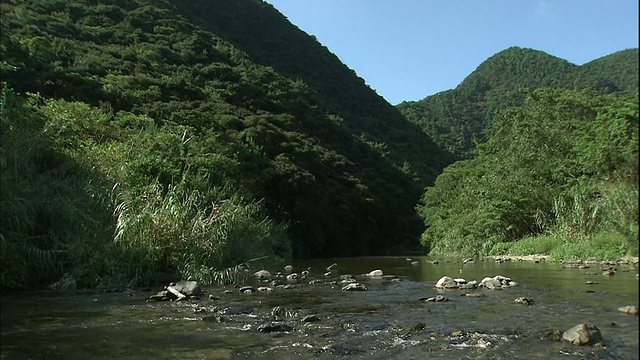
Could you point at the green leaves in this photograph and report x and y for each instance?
(551, 166)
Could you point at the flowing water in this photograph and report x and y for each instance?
(387, 321)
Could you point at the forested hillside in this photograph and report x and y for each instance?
(453, 118)
(151, 139)
(147, 136)
(557, 175)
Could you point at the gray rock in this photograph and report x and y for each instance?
(583, 334)
(354, 287)
(311, 318)
(375, 273)
(446, 282)
(246, 289)
(262, 275)
(437, 298)
(524, 301)
(189, 288)
(274, 327)
(470, 285)
(490, 283)
(160, 296)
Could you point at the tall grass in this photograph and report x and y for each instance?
(206, 238)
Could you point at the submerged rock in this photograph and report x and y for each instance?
(583, 334)
(524, 301)
(311, 318)
(437, 298)
(354, 287)
(609, 272)
(274, 327)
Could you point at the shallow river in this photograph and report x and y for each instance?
(387, 321)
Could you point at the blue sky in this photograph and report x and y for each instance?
(409, 49)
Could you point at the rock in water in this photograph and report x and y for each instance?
(262, 275)
(582, 334)
(274, 327)
(354, 287)
(188, 288)
(446, 282)
(375, 273)
(631, 309)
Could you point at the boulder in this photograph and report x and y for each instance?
(188, 288)
(490, 283)
(470, 285)
(262, 275)
(375, 273)
(288, 269)
(582, 334)
(446, 282)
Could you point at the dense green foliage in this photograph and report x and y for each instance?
(144, 137)
(563, 166)
(147, 139)
(454, 118)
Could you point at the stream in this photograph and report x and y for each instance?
(315, 319)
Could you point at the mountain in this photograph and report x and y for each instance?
(454, 117)
(196, 105)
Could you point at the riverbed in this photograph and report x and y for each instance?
(314, 319)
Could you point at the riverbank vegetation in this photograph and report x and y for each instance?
(556, 176)
(138, 139)
(148, 140)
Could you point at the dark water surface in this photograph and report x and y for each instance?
(385, 322)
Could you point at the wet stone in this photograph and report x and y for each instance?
(524, 301)
(582, 334)
(631, 310)
(246, 289)
(311, 318)
(274, 327)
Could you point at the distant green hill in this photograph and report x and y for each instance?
(454, 117)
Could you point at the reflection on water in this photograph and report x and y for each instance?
(387, 321)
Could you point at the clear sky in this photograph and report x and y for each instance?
(409, 49)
